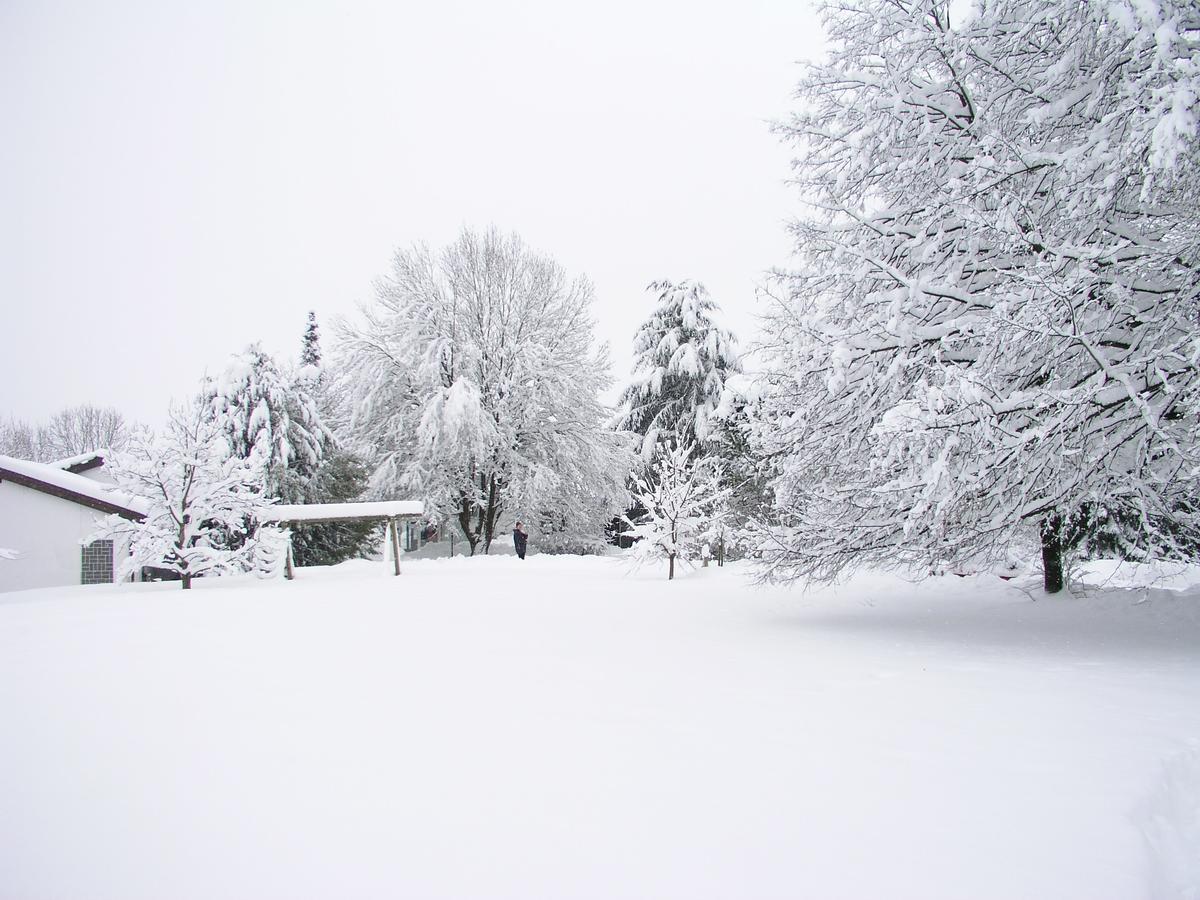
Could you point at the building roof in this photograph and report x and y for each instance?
(66, 485)
(334, 512)
(81, 463)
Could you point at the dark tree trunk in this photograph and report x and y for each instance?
(464, 522)
(187, 581)
(670, 567)
(1052, 554)
(491, 513)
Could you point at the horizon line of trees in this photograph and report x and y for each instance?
(986, 345)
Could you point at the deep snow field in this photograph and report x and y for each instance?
(565, 728)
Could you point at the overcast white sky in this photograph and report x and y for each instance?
(178, 180)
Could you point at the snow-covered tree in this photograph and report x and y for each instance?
(69, 432)
(684, 507)
(992, 330)
(203, 504)
(681, 362)
(270, 417)
(84, 428)
(310, 353)
(475, 386)
(21, 440)
(342, 477)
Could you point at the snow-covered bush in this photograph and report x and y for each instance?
(992, 325)
(204, 505)
(684, 507)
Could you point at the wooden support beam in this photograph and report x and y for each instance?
(288, 572)
(395, 544)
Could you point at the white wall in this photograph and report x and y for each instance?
(48, 533)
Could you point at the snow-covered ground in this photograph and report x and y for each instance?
(561, 728)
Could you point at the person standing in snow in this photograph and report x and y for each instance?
(520, 539)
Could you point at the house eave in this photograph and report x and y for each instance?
(73, 496)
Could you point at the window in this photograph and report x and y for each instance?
(97, 563)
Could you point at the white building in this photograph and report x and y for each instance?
(47, 512)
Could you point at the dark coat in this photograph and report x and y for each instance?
(520, 539)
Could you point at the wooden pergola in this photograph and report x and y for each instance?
(389, 511)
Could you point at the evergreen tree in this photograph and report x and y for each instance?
(342, 477)
(270, 418)
(310, 353)
(681, 362)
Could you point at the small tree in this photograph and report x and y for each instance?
(203, 504)
(310, 353)
(684, 502)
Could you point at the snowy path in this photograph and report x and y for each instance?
(561, 729)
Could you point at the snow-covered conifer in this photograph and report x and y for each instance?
(475, 386)
(684, 507)
(991, 330)
(270, 417)
(310, 353)
(681, 361)
(204, 505)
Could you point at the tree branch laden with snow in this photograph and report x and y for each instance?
(991, 331)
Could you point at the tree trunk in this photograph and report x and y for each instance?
(187, 581)
(491, 513)
(1052, 555)
(670, 566)
(464, 522)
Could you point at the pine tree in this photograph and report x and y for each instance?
(681, 362)
(990, 336)
(310, 353)
(270, 418)
(342, 477)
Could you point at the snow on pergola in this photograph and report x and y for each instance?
(389, 511)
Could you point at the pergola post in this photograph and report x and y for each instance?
(395, 544)
(288, 572)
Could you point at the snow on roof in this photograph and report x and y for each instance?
(84, 489)
(317, 512)
(82, 461)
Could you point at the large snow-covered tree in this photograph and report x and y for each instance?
(683, 507)
(992, 328)
(682, 359)
(475, 386)
(203, 504)
(270, 417)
